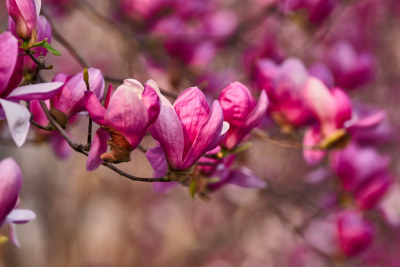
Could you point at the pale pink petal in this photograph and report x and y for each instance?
(20, 216)
(13, 235)
(312, 137)
(10, 185)
(366, 123)
(98, 147)
(95, 109)
(39, 91)
(208, 136)
(28, 11)
(18, 118)
(38, 5)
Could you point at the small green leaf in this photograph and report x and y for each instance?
(51, 49)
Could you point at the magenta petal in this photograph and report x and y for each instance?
(151, 101)
(40, 91)
(20, 216)
(8, 60)
(208, 136)
(10, 185)
(252, 121)
(244, 177)
(28, 11)
(193, 110)
(37, 112)
(167, 130)
(312, 137)
(108, 96)
(60, 146)
(127, 114)
(367, 122)
(98, 147)
(17, 119)
(94, 107)
(156, 157)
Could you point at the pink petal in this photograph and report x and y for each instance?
(252, 121)
(20, 216)
(108, 96)
(13, 235)
(60, 147)
(167, 130)
(37, 112)
(17, 119)
(127, 114)
(28, 11)
(158, 162)
(38, 5)
(244, 177)
(8, 60)
(151, 101)
(312, 137)
(10, 185)
(98, 147)
(368, 122)
(39, 91)
(208, 136)
(193, 110)
(95, 109)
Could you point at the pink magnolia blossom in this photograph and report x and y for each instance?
(355, 233)
(350, 68)
(284, 86)
(10, 185)
(126, 117)
(70, 99)
(188, 129)
(17, 115)
(25, 14)
(241, 112)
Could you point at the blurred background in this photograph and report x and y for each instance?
(102, 219)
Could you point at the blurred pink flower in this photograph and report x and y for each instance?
(10, 185)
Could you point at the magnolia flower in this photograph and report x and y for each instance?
(188, 129)
(350, 68)
(363, 172)
(241, 112)
(284, 86)
(126, 117)
(70, 99)
(10, 185)
(17, 115)
(354, 232)
(25, 15)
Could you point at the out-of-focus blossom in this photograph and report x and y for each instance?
(10, 185)
(284, 88)
(25, 15)
(321, 71)
(241, 112)
(187, 129)
(350, 68)
(10, 75)
(126, 117)
(317, 10)
(362, 172)
(355, 233)
(70, 100)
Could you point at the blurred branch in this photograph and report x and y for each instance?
(78, 147)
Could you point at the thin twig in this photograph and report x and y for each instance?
(39, 63)
(41, 127)
(78, 147)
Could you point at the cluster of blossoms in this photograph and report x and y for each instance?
(197, 144)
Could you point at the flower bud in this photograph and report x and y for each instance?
(24, 13)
